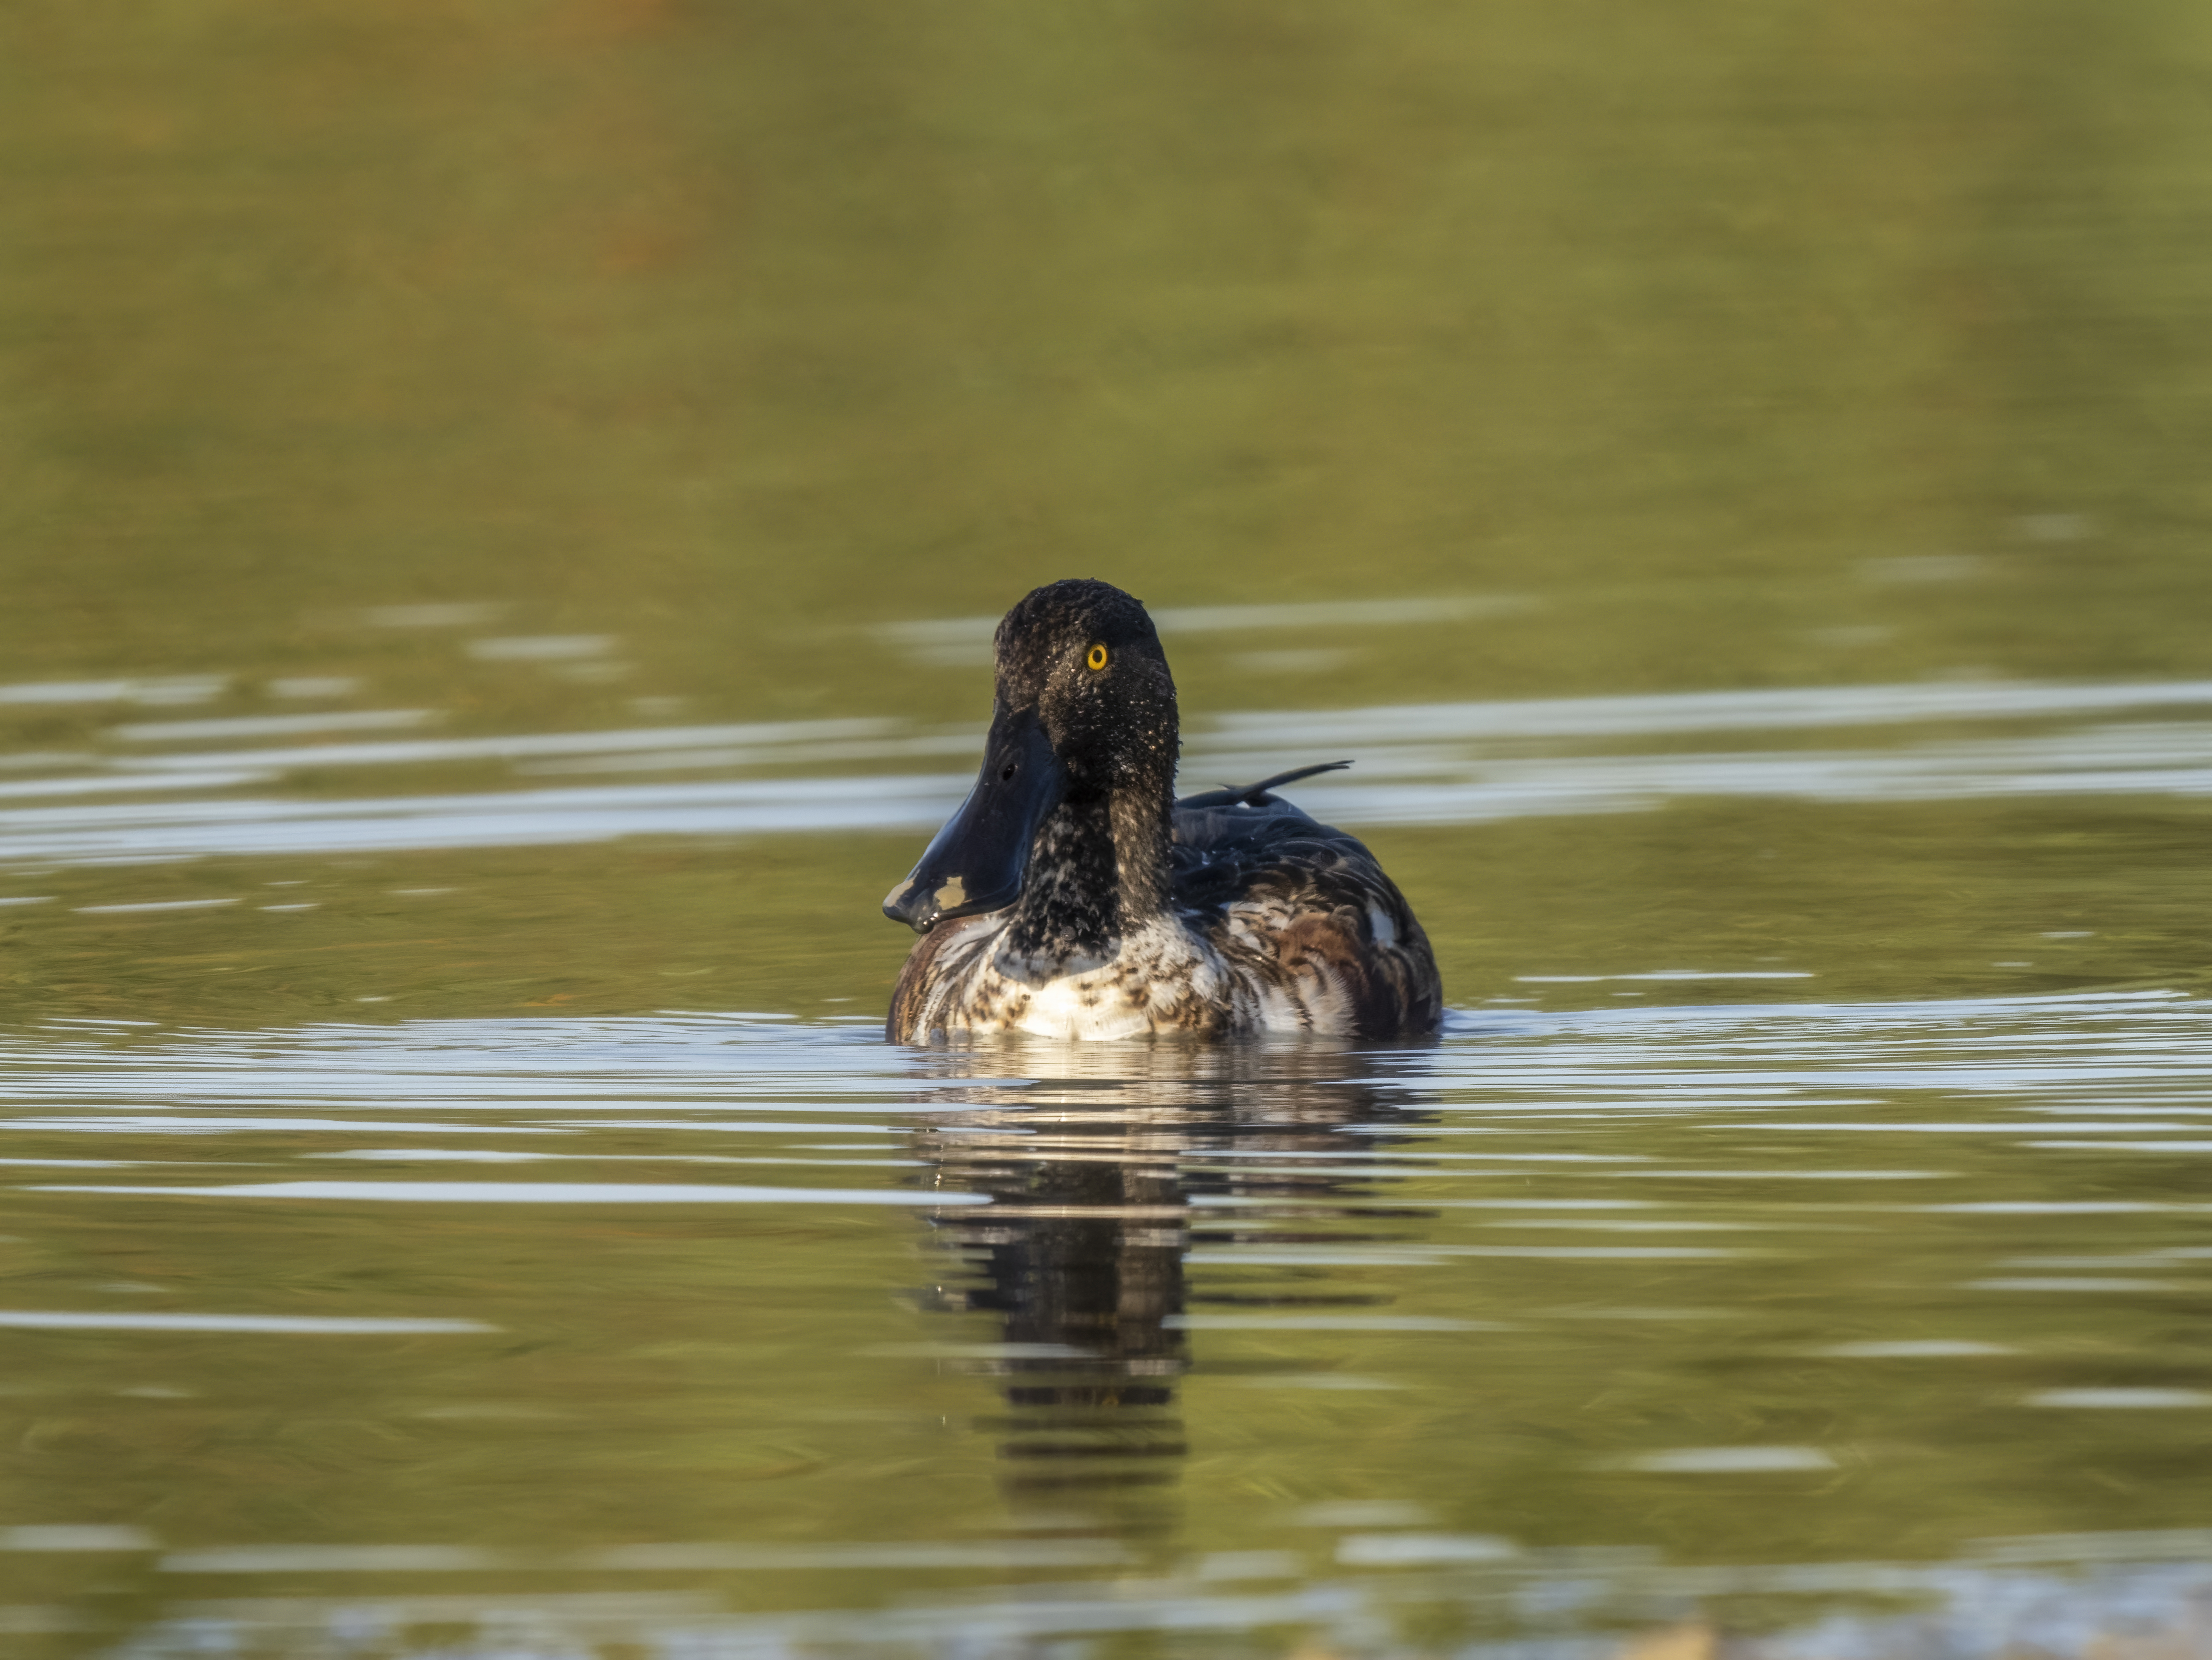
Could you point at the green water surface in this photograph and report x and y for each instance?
(701, 349)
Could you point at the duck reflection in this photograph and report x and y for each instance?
(1105, 1165)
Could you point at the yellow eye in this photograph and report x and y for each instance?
(1098, 658)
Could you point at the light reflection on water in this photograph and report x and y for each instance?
(1456, 774)
(1127, 1339)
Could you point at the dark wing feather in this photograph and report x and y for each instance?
(1318, 900)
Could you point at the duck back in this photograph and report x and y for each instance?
(1304, 915)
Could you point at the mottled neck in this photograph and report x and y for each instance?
(1098, 870)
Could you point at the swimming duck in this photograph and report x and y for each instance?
(1072, 896)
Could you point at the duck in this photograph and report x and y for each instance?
(1072, 896)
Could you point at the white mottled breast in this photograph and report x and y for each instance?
(1078, 1005)
(1163, 978)
(1167, 978)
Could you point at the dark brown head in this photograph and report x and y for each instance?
(1084, 719)
(1084, 656)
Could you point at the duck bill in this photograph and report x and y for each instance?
(977, 861)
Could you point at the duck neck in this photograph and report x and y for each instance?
(1099, 871)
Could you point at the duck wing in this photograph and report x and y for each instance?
(1303, 912)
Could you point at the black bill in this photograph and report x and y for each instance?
(978, 860)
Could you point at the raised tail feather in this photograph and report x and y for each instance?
(1255, 795)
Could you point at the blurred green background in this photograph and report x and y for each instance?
(1792, 344)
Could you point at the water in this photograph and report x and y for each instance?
(713, 1334)
(502, 518)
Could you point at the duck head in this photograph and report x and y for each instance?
(1078, 774)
